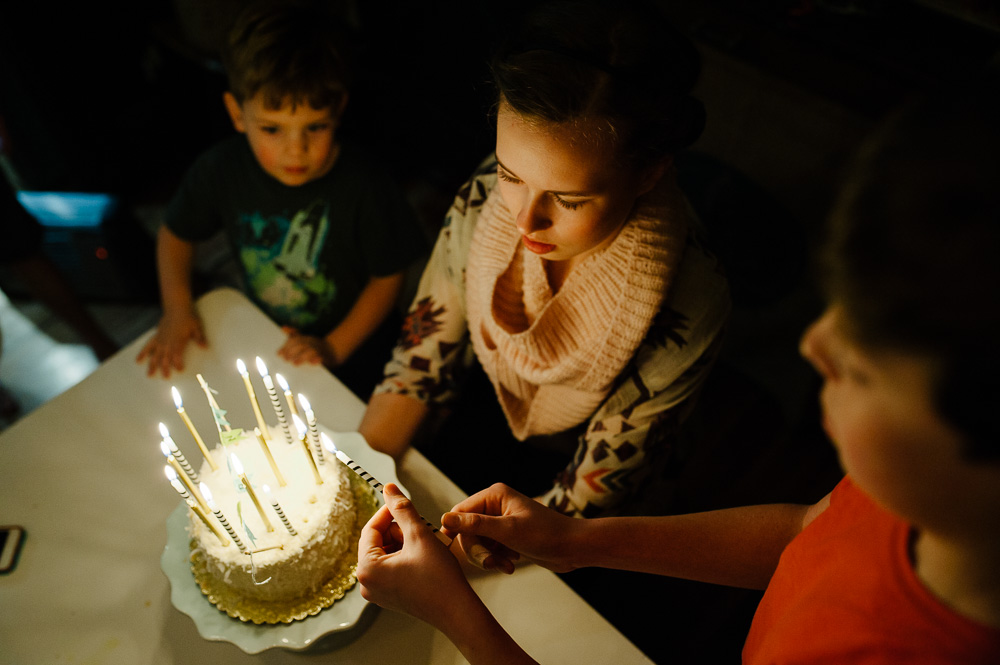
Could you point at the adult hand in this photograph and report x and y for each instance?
(403, 566)
(508, 525)
(301, 349)
(165, 349)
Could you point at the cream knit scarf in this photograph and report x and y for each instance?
(553, 358)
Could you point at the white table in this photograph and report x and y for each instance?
(83, 474)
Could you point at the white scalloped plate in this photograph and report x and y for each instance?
(330, 629)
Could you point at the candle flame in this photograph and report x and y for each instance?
(261, 367)
(164, 432)
(267, 490)
(299, 425)
(170, 473)
(207, 494)
(327, 442)
(282, 382)
(165, 447)
(236, 464)
(241, 367)
(177, 397)
(305, 403)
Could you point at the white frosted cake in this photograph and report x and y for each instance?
(277, 576)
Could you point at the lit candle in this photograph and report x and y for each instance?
(172, 477)
(313, 431)
(270, 458)
(273, 395)
(183, 476)
(242, 369)
(207, 493)
(253, 495)
(372, 481)
(178, 455)
(301, 428)
(277, 509)
(294, 410)
(187, 421)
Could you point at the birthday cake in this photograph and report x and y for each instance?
(260, 570)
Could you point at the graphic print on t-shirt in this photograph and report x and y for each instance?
(281, 259)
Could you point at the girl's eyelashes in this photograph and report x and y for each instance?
(503, 175)
(569, 205)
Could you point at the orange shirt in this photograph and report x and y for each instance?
(845, 592)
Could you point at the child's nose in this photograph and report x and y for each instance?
(299, 144)
(814, 345)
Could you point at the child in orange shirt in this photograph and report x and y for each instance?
(900, 562)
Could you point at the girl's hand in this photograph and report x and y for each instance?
(403, 566)
(499, 525)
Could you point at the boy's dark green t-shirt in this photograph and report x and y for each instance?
(306, 252)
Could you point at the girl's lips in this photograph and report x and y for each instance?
(536, 247)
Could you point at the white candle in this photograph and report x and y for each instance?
(187, 421)
(313, 431)
(277, 509)
(301, 429)
(242, 369)
(172, 477)
(181, 475)
(222, 518)
(273, 395)
(288, 394)
(178, 455)
(373, 482)
(238, 467)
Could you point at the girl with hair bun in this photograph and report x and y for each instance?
(567, 286)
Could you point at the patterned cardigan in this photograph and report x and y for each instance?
(633, 433)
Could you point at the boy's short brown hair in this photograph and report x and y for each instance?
(294, 51)
(914, 251)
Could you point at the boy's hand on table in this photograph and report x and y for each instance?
(165, 349)
(300, 349)
(402, 566)
(499, 525)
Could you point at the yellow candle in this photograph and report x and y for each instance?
(288, 394)
(269, 456)
(204, 518)
(301, 428)
(253, 495)
(187, 421)
(242, 369)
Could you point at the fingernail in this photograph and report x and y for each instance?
(478, 554)
(451, 520)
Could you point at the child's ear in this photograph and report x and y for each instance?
(235, 111)
(338, 110)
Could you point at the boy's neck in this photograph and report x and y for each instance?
(963, 574)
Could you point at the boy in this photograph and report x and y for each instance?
(900, 562)
(321, 235)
